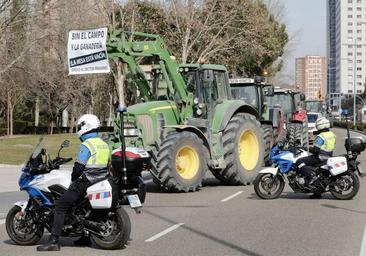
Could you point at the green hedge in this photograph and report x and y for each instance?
(358, 127)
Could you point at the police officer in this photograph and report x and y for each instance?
(91, 164)
(323, 148)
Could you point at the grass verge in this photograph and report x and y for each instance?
(17, 149)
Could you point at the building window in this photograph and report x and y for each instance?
(359, 91)
(350, 61)
(350, 1)
(349, 8)
(359, 38)
(359, 84)
(359, 9)
(350, 23)
(359, 54)
(350, 91)
(350, 54)
(350, 31)
(359, 69)
(359, 31)
(350, 46)
(350, 16)
(359, 16)
(359, 76)
(359, 46)
(359, 61)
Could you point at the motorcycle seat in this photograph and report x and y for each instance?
(57, 189)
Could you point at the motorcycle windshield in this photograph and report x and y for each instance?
(37, 148)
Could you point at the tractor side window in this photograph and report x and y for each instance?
(220, 84)
(190, 80)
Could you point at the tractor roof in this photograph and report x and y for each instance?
(248, 81)
(204, 66)
(285, 90)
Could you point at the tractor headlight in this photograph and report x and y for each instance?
(199, 112)
(132, 132)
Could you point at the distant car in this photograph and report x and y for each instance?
(312, 117)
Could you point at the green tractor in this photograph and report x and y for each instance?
(254, 91)
(188, 122)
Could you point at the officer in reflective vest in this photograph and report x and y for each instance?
(91, 165)
(323, 148)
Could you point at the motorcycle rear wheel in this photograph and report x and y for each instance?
(348, 186)
(20, 231)
(117, 233)
(267, 186)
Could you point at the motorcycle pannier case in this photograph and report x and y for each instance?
(356, 145)
(100, 195)
(337, 165)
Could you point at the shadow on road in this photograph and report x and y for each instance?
(208, 236)
(176, 206)
(294, 196)
(341, 208)
(207, 182)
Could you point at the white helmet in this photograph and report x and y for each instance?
(322, 123)
(87, 123)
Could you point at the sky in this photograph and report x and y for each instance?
(306, 25)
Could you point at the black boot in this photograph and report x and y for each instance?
(315, 196)
(52, 245)
(83, 241)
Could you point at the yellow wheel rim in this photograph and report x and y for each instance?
(248, 150)
(187, 162)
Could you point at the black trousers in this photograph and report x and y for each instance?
(304, 162)
(75, 192)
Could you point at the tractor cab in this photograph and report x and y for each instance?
(291, 102)
(209, 85)
(253, 91)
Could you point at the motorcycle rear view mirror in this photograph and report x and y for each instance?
(64, 144)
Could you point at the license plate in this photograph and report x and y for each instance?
(134, 201)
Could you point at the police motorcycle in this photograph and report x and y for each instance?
(99, 214)
(336, 175)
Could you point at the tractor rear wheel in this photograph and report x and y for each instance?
(268, 137)
(180, 163)
(243, 150)
(305, 135)
(295, 134)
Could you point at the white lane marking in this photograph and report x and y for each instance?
(363, 245)
(2, 221)
(232, 196)
(164, 232)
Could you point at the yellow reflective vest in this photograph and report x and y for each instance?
(99, 157)
(329, 144)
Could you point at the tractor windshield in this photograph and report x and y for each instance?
(247, 93)
(313, 106)
(283, 100)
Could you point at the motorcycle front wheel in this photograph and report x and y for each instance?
(116, 233)
(22, 229)
(345, 186)
(268, 186)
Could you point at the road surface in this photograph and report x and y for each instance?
(231, 220)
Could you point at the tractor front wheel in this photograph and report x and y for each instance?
(268, 137)
(181, 162)
(243, 150)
